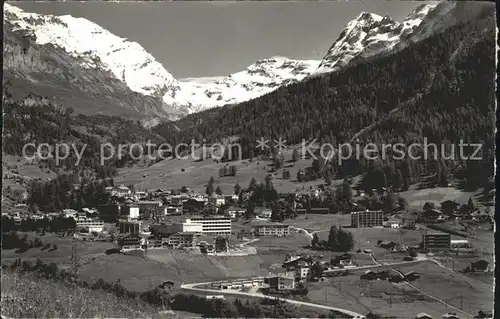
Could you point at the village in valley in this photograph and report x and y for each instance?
(258, 242)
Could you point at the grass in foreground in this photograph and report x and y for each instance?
(27, 296)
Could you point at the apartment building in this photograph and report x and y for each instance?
(281, 282)
(131, 227)
(89, 224)
(182, 239)
(130, 210)
(172, 228)
(367, 218)
(132, 242)
(212, 225)
(271, 229)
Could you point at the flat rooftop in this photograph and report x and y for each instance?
(267, 223)
(208, 217)
(437, 233)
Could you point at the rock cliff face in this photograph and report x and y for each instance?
(87, 67)
(370, 34)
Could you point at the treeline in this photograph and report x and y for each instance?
(441, 88)
(162, 298)
(339, 240)
(54, 225)
(340, 199)
(71, 190)
(38, 120)
(12, 240)
(227, 170)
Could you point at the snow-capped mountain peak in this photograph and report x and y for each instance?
(369, 34)
(128, 64)
(259, 78)
(95, 47)
(368, 16)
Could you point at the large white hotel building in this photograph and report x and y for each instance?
(211, 225)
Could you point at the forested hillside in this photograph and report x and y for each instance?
(441, 88)
(38, 120)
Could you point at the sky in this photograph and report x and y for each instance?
(204, 39)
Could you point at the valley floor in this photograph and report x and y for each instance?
(440, 279)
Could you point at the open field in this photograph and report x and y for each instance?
(25, 167)
(87, 250)
(168, 174)
(16, 170)
(455, 288)
(140, 274)
(400, 300)
(417, 198)
(319, 222)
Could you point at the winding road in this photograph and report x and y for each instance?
(259, 295)
(306, 232)
(194, 287)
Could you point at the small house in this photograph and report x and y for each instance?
(410, 276)
(480, 265)
(280, 282)
(262, 212)
(449, 207)
(386, 244)
(394, 223)
(235, 211)
(431, 214)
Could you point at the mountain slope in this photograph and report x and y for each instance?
(105, 64)
(446, 14)
(87, 66)
(368, 35)
(50, 55)
(96, 47)
(440, 88)
(260, 78)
